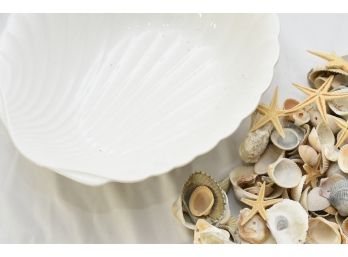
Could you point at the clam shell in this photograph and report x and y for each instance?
(218, 210)
(285, 173)
(325, 135)
(271, 154)
(327, 183)
(288, 222)
(343, 159)
(339, 197)
(205, 233)
(308, 155)
(255, 230)
(331, 152)
(316, 202)
(322, 231)
(296, 192)
(313, 140)
(201, 201)
(340, 106)
(289, 142)
(304, 198)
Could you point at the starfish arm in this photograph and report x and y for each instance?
(340, 122)
(250, 215)
(262, 108)
(248, 201)
(271, 202)
(262, 191)
(327, 84)
(325, 56)
(262, 213)
(321, 105)
(274, 102)
(258, 124)
(306, 90)
(342, 137)
(300, 106)
(333, 95)
(278, 126)
(314, 182)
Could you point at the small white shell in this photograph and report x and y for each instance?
(289, 142)
(206, 233)
(296, 192)
(325, 135)
(255, 230)
(315, 202)
(313, 140)
(271, 154)
(308, 155)
(288, 222)
(343, 159)
(322, 231)
(301, 117)
(285, 173)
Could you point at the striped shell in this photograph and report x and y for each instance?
(339, 197)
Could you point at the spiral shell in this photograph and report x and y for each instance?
(339, 197)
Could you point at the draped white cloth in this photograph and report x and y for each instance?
(39, 206)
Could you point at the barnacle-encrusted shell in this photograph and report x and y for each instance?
(285, 173)
(322, 231)
(254, 145)
(288, 222)
(205, 233)
(255, 230)
(343, 159)
(271, 154)
(339, 197)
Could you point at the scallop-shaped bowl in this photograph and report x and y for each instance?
(121, 97)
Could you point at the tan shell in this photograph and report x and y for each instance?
(255, 230)
(339, 135)
(322, 231)
(315, 202)
(296, 192)
(285, 173)
(271, 154)
(206, 233)
(343, 159)
(201, 201)
(308, 155)
(313, 140)
(343, 227)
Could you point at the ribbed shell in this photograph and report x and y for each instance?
(339, 197)
(203, 179)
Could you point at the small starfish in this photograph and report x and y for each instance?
(258, 205)
(313, 173)
(343, 125)
(318, 96)
(271, 114)
(334, 61)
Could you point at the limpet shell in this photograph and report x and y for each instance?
(339, 197)
(271, 154)
(322, 231)
(288, 222)
(285, 173)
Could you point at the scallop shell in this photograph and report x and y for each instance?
(340, 106)
(254, 145)
(343, 159)
(316, 202)
(255, 230)
(339, 197)
(271, 154)
(205, 233)
(285, 173)
(219, 208)
(322, 231)
(313, 140)
(296, 192)
(288, 222)
(289, 142)
(308, 155)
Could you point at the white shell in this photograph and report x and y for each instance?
(288, 222)
(88, 94)
(313, 140)
(206, 233)
(325, 135)
(327, 183)
(339, 197)
(322, 231)
(296, 192)
(304, 198)
(316, 202)
(340, 106)
(343, 159)
(285, 173)
(308, 154)
(271, 154)
(289, 142)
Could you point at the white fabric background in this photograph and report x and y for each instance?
(39, 206)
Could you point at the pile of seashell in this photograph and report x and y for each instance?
(294, 181)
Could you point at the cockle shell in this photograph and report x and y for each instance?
(296, 192)
(327, 183)
(255, 230)
(308, 155)
(313, 140)
(343, 159)
(289, 142)
(271, 154)
(339, 197)
(201, 201)
(322, 231)
(288, 222)
(205, 233)
(254, 144)
(340, 106)
(285, 173)
(316, 202)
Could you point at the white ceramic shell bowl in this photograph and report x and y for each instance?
(122, 97)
